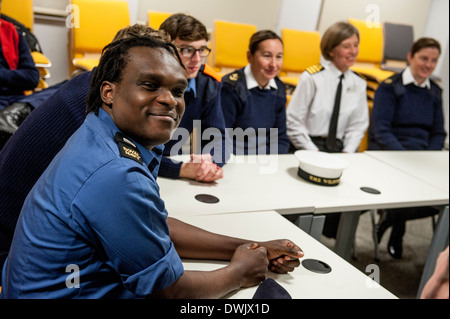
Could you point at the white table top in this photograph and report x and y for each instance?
(271, 183)
(344, 281)
(431, 167)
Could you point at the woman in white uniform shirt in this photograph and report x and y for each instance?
(311, 106)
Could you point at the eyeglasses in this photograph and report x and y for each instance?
(189, 52)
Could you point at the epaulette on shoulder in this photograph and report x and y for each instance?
(233, 77)
(315, 69)
(436, 84)
(392, 79)
(210, 72)
(127, 148)
(360, 75)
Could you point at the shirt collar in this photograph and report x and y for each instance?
(336, 71)
(151, 158)
(251, 81)
(192, 86)
(408, 78)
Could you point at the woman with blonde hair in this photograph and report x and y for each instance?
(330, 88)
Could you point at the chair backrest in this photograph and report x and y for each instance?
(99, 21)
(398, 39)
(371, 41)
(20, 10)
(155, 18)
(301, 49)
(229, 42)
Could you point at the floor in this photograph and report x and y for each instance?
(399, 276)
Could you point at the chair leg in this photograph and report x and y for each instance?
(374, 234)
(355, 250)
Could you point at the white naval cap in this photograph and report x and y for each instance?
(320, 167)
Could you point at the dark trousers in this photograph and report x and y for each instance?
(397, 218)
(331, 220)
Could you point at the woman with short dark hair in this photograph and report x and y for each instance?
(407, 115)
(253, 99)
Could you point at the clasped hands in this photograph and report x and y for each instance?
(201, 168)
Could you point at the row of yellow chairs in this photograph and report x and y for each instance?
(229, 41)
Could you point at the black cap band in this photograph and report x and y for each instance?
(318, 180)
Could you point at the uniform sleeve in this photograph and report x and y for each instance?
(120, 209)
(438, 134)
(297, 113)
(230, 104)
(213, 127)
(283, 140)
(169, 168)
(383, 112)
(26, 77)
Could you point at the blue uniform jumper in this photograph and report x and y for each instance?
(96, 211)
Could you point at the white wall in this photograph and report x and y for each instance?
(429, 17)
(53, 38)
(133, 7)
(262, 13)
(299, 14)
(438, 27)
(53, 4)
(413, 12)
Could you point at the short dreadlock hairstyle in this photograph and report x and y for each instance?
(114, 60)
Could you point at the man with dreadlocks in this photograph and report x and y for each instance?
(94, 225)
(40, 137)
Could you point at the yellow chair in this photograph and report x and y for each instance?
(229, 44)
(370, 51)
(99, 21)
(155, 18)
(22, 11)
(301, 50)
(364, 145)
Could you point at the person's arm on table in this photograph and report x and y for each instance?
(201, 168)
(248, 267)
(195, 243)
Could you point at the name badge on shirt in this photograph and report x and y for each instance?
(352, 89)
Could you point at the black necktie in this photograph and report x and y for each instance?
(331, 139)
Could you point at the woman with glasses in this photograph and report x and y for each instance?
(202, 106)
(253, 99)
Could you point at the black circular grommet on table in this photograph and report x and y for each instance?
(208, 199)
(316, 266)
(370, 190)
